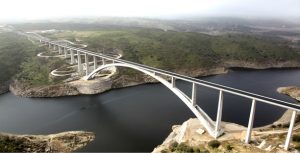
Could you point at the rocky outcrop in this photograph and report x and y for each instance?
(61, 142)
(92, 86)
(292, 91)
(25, 90)
(192, 137)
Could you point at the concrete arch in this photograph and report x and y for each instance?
(199, 113)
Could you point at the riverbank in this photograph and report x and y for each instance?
(292, 91)
(61, 142)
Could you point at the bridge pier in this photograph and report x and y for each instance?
(66, 52)
(59, 50)
(219, 114)
(290, 131)
(49, 45)
(103, 61)
(173, 80)
(250, 124)
(87, 66)
(72, 56)
(80, 68)
(54, 47)
(95, 62)
(194, 94)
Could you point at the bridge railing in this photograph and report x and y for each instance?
(222, 89)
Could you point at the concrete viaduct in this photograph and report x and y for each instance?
(213, 127)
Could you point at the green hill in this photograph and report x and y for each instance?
(182, 50)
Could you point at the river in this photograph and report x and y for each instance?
(139, 118)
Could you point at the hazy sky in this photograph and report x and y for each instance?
(41, 9)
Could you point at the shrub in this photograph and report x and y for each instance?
(173, 146)
(214, 144)
(182, 147)
(10, 145)
(297, 147)
(229, 147)
(285, 125)
(196, 150)
(296, 138)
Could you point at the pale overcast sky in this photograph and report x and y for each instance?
(41, 9)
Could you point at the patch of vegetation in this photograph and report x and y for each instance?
(36, 70)
(229, 147)
(14, 49)
(10, 145)
(172, 50)
(214, 144)
(182, 147)
(296, 138)
(297, 147)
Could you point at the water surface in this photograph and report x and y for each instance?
(139, 118)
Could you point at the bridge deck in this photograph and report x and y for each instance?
(242, 93)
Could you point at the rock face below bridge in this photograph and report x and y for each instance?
(61, 142)
(92, 86)
(192, 137)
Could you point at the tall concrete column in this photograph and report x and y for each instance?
(194, 94)
(95, 62)
(66, 52)
(290, 131)
(72, 57)
(79, 63)
(49, 46)
(59, 50)
(250, 123)
(173, 82)
(103, 61)
(87, 64)
(219, 114)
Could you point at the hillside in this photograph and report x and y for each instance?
(183, 50)
(14, 50)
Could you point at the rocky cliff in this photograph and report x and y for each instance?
(61, 142)
(192, 137)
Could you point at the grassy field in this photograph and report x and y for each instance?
(182, 50)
